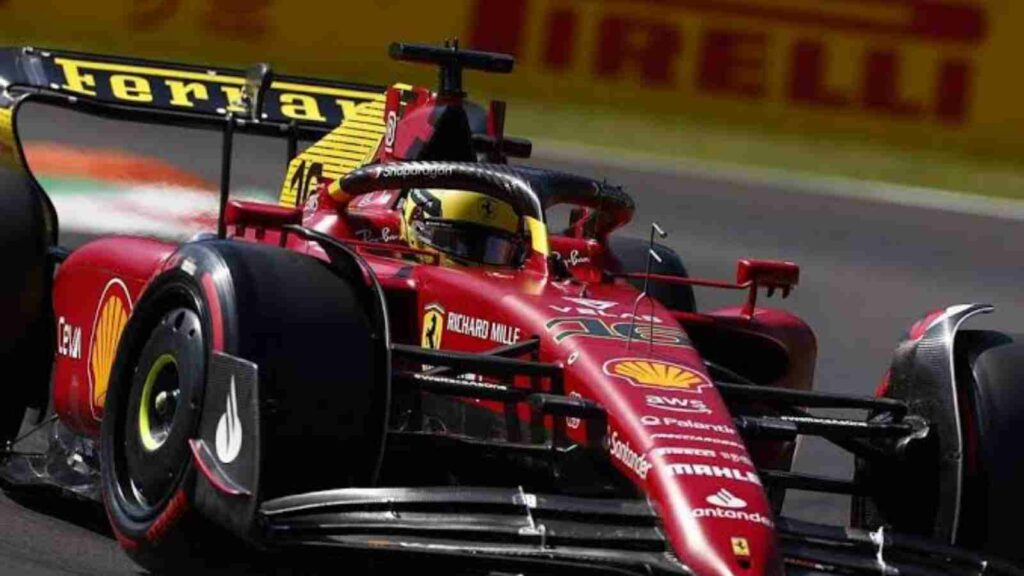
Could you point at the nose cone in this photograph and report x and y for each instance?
(675, 438)
(716, 516)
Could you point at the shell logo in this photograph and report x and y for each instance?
(111, 317)
(656, 374)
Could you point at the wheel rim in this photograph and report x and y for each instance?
(161, 413)
(159, 402)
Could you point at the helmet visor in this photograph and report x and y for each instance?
(472, 242)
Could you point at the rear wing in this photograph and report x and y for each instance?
(174, 94)
(178, 92)
(185, 95)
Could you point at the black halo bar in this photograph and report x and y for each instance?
(788, 427)
(809, 399)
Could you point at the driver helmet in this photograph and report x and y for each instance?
(464, 227)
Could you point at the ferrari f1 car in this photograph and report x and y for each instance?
(306, 378)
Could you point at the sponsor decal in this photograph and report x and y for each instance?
(689, 424)
(656, 374)
(592, 327)
(737, 63)
(573, 423)
(599, 305)
(810, 420)
(469, 378)
(623, 452)
(709, 471)
(740, 546)
(416, 170)
(678, 451)
(600, 308)
(210, 91)
(577, 259)
(674, 404)
(692, 438)
(727, 514)
(69, 339)
(704, 453)
(433, 326)
(229, 429)
(115, 305)
(725, 499)
(482, 329)
(386, 235)
(737, 458)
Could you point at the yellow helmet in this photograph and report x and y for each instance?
(468, 227)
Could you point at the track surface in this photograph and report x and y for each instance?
(868, 270)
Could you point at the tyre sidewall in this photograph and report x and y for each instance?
(140, 535)
(991, 373)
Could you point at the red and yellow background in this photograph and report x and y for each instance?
(929, 73)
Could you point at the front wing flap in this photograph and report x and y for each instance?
(482, 529)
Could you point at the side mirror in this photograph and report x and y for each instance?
(580, 223)
(257, 81)
(770, 274)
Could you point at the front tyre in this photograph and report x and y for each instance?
(989, 373)
(315, 340)
(152, 409)
(990, 369)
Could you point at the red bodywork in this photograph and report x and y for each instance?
(669, 431)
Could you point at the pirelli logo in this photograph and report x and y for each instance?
(211, 91)
(884, 59)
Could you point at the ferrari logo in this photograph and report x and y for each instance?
(740, 546)
(433, 326)
(656, 374)
(487, 209)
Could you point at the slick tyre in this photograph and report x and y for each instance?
(989, 369)
(322, 381)
(631, 254)
(152, 409)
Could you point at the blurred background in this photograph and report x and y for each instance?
(877, 143)
(918, 92)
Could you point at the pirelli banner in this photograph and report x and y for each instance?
(918, 72)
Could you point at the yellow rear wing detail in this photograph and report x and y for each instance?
(352, 144)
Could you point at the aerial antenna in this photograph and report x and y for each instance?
(652, 255)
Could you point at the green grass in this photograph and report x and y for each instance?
(669, 138)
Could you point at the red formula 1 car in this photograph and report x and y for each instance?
(406, 359)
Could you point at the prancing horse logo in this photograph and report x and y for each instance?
(433, 326)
